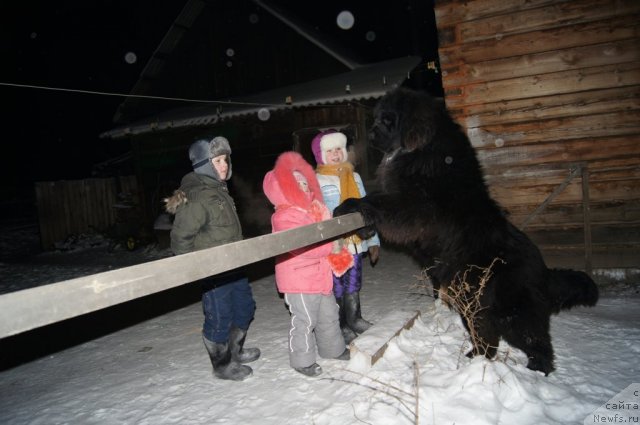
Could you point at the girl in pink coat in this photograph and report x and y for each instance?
(304, 275)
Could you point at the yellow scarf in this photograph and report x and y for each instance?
(344, 170)
(348, 186)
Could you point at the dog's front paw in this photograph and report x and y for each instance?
(541, 364)
(349, 206)
(366, 232)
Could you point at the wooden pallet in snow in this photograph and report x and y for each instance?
(369, 347)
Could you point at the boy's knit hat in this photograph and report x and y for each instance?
(325, 141)
(201, 151)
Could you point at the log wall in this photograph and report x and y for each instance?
(543, 87)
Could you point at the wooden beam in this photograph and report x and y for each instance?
(451, 12)
(550, 198)
(544, 18)
(575, 57)
(586, 208)
(522, 43)
(369, 347)
(593, 102)
(550, 84)
(34, 307)
(601, 236)
(552, 152)
(561, 217)
(619, 123)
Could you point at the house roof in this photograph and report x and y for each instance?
(183, 23)
(366, 82)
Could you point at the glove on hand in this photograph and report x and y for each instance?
(341, 261)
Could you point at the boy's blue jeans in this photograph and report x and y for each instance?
(226, 300)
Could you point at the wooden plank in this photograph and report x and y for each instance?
(586, 209)
(621, 75)
(541, 63)
(552, 195)
(83, 209)
(370, 346)
(555, 173)
(451, 12)
(543, 18)
(619, 28)
(591, 102)
(43, 214)
(94, 209)
(560, 216)
(556, 129)
(520, 192)
(602, 235)
(600, 192)
(626, 147)
(607, 261)
(58, 211)
(30, 308)
(111, 193)
(62, 205)
(613, 164)
(557, 176)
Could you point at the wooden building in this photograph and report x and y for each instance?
(268, 80)
(260, 127)
(548, 92)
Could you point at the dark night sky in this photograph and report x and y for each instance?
(82, 45)
(70, 44)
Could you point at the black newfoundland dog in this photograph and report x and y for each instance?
(433, 201)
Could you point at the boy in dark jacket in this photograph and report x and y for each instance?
(205, 216)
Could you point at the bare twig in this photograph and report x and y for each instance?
(386, 389)
(465, 298)
(355, 415)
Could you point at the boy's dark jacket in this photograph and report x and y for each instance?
(205, 214)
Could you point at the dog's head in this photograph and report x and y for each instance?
(405, 119)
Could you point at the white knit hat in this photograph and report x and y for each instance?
(332, 141)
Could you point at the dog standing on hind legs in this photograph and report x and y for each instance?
(433, 200)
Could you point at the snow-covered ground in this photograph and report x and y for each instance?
(156, 371)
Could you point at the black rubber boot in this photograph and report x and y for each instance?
(346, 355)
(236, 345)
(223, 365)
(348, 333)
(313, 370)
(352, 313)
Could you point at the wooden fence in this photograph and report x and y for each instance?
(72, 207)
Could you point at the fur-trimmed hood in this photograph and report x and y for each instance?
(172, 202)
(191, 184)
(280, 185)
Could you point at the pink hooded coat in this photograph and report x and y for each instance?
(305, 270)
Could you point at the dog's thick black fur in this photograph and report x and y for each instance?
(433, 200)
